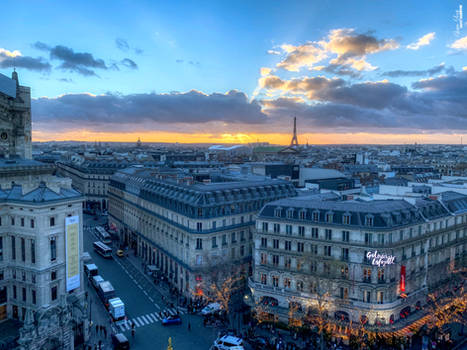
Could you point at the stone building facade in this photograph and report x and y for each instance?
(362, 261)
(189, 230)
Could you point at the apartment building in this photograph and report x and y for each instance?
(363, 261)
(189, 229)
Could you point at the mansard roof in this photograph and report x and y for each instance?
(384, 213)
(39, 194)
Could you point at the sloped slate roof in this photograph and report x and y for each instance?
(39, 194)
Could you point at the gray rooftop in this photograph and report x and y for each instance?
(7, 86)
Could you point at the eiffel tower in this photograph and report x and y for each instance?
(294, 142)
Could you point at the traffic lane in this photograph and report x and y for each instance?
(136, 302)
(155, 336)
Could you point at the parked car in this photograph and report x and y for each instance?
(228, 342)
(120, 342)
(211, 309)
(174, 319)
(120, 253)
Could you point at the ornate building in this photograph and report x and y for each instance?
(41, 280)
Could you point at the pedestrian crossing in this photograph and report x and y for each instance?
(144, 320)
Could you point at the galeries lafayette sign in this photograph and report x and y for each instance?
(380, 259)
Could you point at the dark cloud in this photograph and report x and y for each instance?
(341, 70)
(36, 64)
(129, 63)
(436, 104)
(418, 73)
(122, 44)
(82, 63)
(146, 110)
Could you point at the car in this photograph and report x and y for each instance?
(120, 253)
(173, 319)
(211, 309)
(120, 342)
(228, 342)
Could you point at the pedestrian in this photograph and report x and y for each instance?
(100, 344)
(133, 332)
(189, 326)
(97, 329)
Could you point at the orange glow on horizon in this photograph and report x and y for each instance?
(244, 138)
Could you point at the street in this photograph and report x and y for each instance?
(143, 304)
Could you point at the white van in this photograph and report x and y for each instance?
(211, 308)
(228, 342)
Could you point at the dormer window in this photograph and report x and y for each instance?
(329, 217)
(369, 219)
(290, 213)
(316, 216)
(302, 214)
(346, 219)
(277, 212)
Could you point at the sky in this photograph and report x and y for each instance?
(239, 71)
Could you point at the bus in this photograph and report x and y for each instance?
(103, 235)
(103, 249)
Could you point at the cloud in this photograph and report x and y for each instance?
(145, 110)
(423, 41)
(265, 71)
(274, 52)
(345, 46)
(179, 61)
(122, 44)
(435, 104)
(14, 59)
(138, 51)
(82, 63)
(460, 44)
(417, 73)
(129, 63)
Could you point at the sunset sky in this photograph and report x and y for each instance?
(239, 71)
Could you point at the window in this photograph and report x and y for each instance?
(328, 233)
(381, 275)
(214, 224)
(345, 271)
(381, 238)
(264, 242)
(367, 275)
(12, 221)
(264, 278)
(23, 249)
(288, 245)
(300, 286)
(326, 268)
(22, 222)
(286, 282)
(234, 237)
(52, 221)
(314, 232)
(53, 293)
(14, 292)
(1, 248)
(345, 236)
(53, 249)
(329, 217)
(369, 220)
(290, 213)
(288, 229)
(199, 243)
(345, 254)
(232, 252)
(33, 296)
(401, 235)
(316, 216)
(224, 239)
(288, 263)
(300, 247)
(13, 247)
(313, 266)
(302, 214)
(380, 297)
(277, 212)
(33, 251)
(242, 236)
(265, 226)
(275, 243)
(368, 238)
(327, 250)
(301, 231)
(344, 293)
(264, 258)
(390, 238)
(199, 226)
(275, 281)
(277, 228)
(242, 250)
(314, 249)
(214, 242)
(346, 219)
(366, 296)
(275, 260)
(24, 294)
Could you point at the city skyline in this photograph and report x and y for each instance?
(238, 73)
